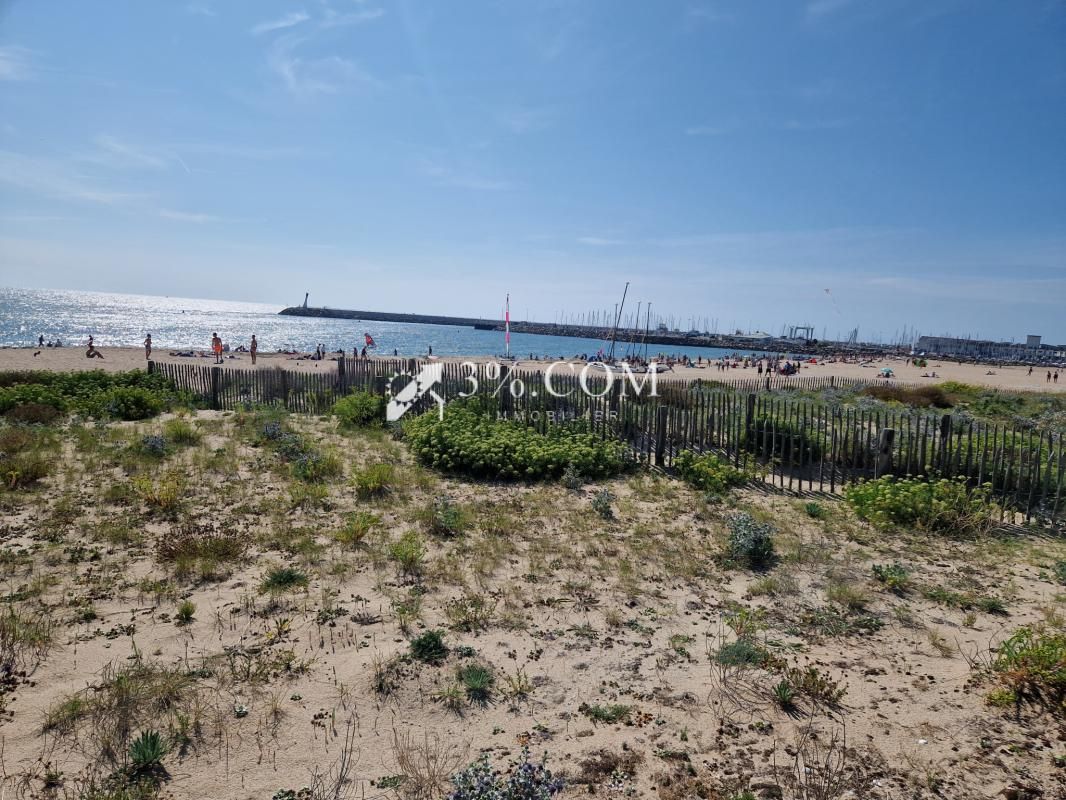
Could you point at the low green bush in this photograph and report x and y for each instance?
(471, 442)
(708, 472)
(429, 647)
(360, 410)
(129, 395)
(751, 542)
(1032, 664)
(942, 506)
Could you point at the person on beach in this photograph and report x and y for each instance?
(216, 347)
(92, 352)
(147, 347)
(40, 340)
(254, 348)
(1049, 376)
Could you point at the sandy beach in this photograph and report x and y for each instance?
(1012, 378)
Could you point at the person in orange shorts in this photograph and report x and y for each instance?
(216, 345)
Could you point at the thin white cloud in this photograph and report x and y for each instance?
(201, 9)
(599, 241)
(55, 179)
(336, 19)
(15, 63)
(289, 20)
(444, 175)
(185, 216)
(116, 153)
(311, 76)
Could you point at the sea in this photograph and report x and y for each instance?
(182, 323)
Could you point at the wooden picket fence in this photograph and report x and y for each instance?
(795, 441)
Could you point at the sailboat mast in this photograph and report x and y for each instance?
(618, 316)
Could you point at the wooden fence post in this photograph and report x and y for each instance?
(749, 417)
(151, 367)
(660, 434)
(883, 459)
(216, 375)
(945, 439)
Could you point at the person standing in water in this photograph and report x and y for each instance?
(254, 348)
(216, 347)
(147, 347)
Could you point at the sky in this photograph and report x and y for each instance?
(879, 164)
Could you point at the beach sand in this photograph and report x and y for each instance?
(115, 359)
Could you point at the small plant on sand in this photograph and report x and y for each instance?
(181, 432)
(373, 481)
(815, 685)
(895, 577)
(708, 472)
(610, 714)
(313, 466)
(751, 542)
(478, 681)
(356, 528)
(360, 410)
(571, 479)
(162, 496)
(283, 580)
(471, 612)
(815, 510)
(525, 780)
(147, 751)
(429, 647)
(185, 613)
(784, 695)
(409, 554)
(601, 503)
(1032, 664)
(1058, 569)
(445, 517)
(154, 446)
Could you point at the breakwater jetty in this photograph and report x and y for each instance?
(737, 343)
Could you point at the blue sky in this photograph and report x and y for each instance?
(732, 160)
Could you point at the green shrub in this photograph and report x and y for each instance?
(895, 577)
(429, 647)
(750, 542)
(478, 681)
(373, 481)
(445, 517)
(471, 442)
(742, 652)
(356, 529)
(313, 466)
(784, 695)
(34, 414)
(606, 714)
(1058, 569)
(409, 553)
(601, 503)
(918, 397)
(360, 410)
(185, 613)
(22, 470)
(1032, 664)
(708, 472)
(941, 506)
(180, 431)
(815, 510)
(282, 580)
(131, 403)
